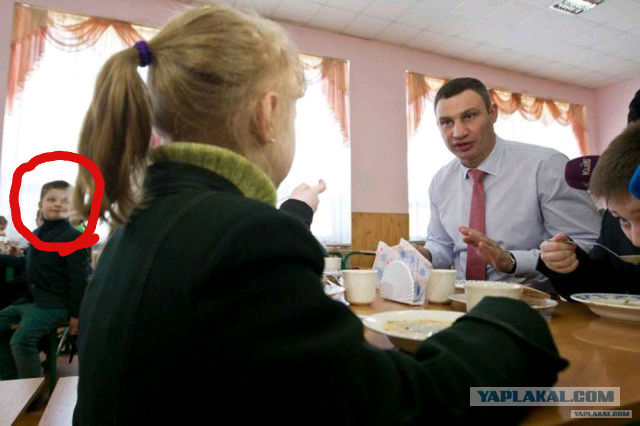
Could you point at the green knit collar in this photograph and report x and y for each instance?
(252, 181)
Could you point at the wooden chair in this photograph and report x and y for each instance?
(356, 253)
(53, 350)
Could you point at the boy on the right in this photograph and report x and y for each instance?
(571, 269)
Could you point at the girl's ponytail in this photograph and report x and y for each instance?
(115, 135)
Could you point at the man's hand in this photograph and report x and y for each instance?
(423, 251)
(73, 326)
(309, 194)
(559, 254)
(488, 250)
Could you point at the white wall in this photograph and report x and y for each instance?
(613, 105)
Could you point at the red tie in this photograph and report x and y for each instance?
(476, 269)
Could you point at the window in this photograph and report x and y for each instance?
(545, 132)
(47, 116)
(321, 153)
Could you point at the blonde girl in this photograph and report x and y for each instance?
(207, 301)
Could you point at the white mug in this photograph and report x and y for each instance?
(360, 285)
(332, 264)
(476, 290)
(441, 285)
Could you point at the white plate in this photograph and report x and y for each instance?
(462, 298)
(378, 322)
(622, 307)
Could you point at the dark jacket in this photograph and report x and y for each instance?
(209, 304)
(55, 282)
(600, 271)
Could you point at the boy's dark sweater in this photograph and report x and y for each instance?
(57, 282)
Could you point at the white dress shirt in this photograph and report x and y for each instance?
(527, 201)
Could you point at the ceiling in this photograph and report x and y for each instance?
(594, 49)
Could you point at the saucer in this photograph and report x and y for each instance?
(462, 298)
(459, 297)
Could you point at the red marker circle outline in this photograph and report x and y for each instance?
(88, 237)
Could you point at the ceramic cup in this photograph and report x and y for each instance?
(332, 264)
(441, 285)
(476, 290)
(360, 285)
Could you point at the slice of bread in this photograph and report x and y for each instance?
(534, 297)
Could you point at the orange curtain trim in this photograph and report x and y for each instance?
(334, 86)
(31, 27)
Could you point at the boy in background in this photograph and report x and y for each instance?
(3, 226)
(56, 283)
(571, 269)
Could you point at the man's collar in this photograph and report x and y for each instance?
(491, 165)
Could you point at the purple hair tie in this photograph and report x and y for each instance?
(145, 53)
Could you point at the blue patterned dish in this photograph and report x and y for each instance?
(622, 307)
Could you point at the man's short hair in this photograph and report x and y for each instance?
(3, 220)
(56, 184)
(615, 167)
(458, 85)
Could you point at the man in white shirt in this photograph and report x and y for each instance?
(521, 197)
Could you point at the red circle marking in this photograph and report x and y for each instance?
(88, 237)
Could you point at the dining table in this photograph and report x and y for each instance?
(601, 353)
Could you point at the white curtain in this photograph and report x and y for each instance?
(545, 132)
(427, 152)
(47, 116)
(321, 154)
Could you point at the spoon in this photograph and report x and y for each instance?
(595, 244)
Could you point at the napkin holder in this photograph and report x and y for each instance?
(397, 284)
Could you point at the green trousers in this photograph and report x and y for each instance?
(19, 356)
